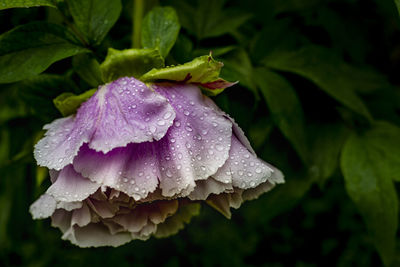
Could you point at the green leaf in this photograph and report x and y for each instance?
(281, 199)
(30, 49)
(129, 62)
(238, 66)
(11, 105)
(285, 108)
(397, 2)
(367, 163)
(160, 29)
(326, 143)
(94, 18)
(68, 103)
(38, 92)
(332, 75)
(200, 70)
(88, 69)
(210, 18)
(203, 71)
(384, 146)
(26, 3)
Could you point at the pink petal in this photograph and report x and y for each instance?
(129, 112)
(122, 112)
(70, 186)
(132, 169)
(244, 170)
(196, 146)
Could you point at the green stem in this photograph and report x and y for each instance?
(138, 8)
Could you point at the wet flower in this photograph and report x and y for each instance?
(135, 161)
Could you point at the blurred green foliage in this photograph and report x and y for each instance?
(318, 96)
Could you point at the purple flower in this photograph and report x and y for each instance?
(135, 161)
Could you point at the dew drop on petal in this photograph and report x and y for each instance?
(167, 115)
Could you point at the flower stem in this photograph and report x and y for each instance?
(138, 8)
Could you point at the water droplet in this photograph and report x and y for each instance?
(177, 124)
(215, 124)
(188, 128)
(167, 115)
(188, 145)
(258, 170)
(240, 173)
(247, 156)
(219, 147)
(249, 174)
(140, 174)
(210, 151)
(153, 129)
(168, 173)
(161, 123)
(186, 113)
(252, 184)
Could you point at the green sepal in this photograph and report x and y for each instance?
(68, 103)
(203, 71)
(129, 62)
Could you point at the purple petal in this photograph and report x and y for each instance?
(129, 112)
(196, 146)
(122, 112)
(235, 127)
(70, 186)
(244, 170)
(60, 145)
(132, 169)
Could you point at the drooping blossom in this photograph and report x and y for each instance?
(135, 161)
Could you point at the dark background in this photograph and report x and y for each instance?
(310, 220)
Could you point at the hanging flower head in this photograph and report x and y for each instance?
(136, 160)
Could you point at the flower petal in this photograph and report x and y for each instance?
(44, 207)
(70, 186)
(225, 201)
(204, 188)
(196, 146)
(132, 169)
(60, 144)
(129, 112)
(96, 235)
(244, 170)
(186, 211)
(122, 112)
(235, 127)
